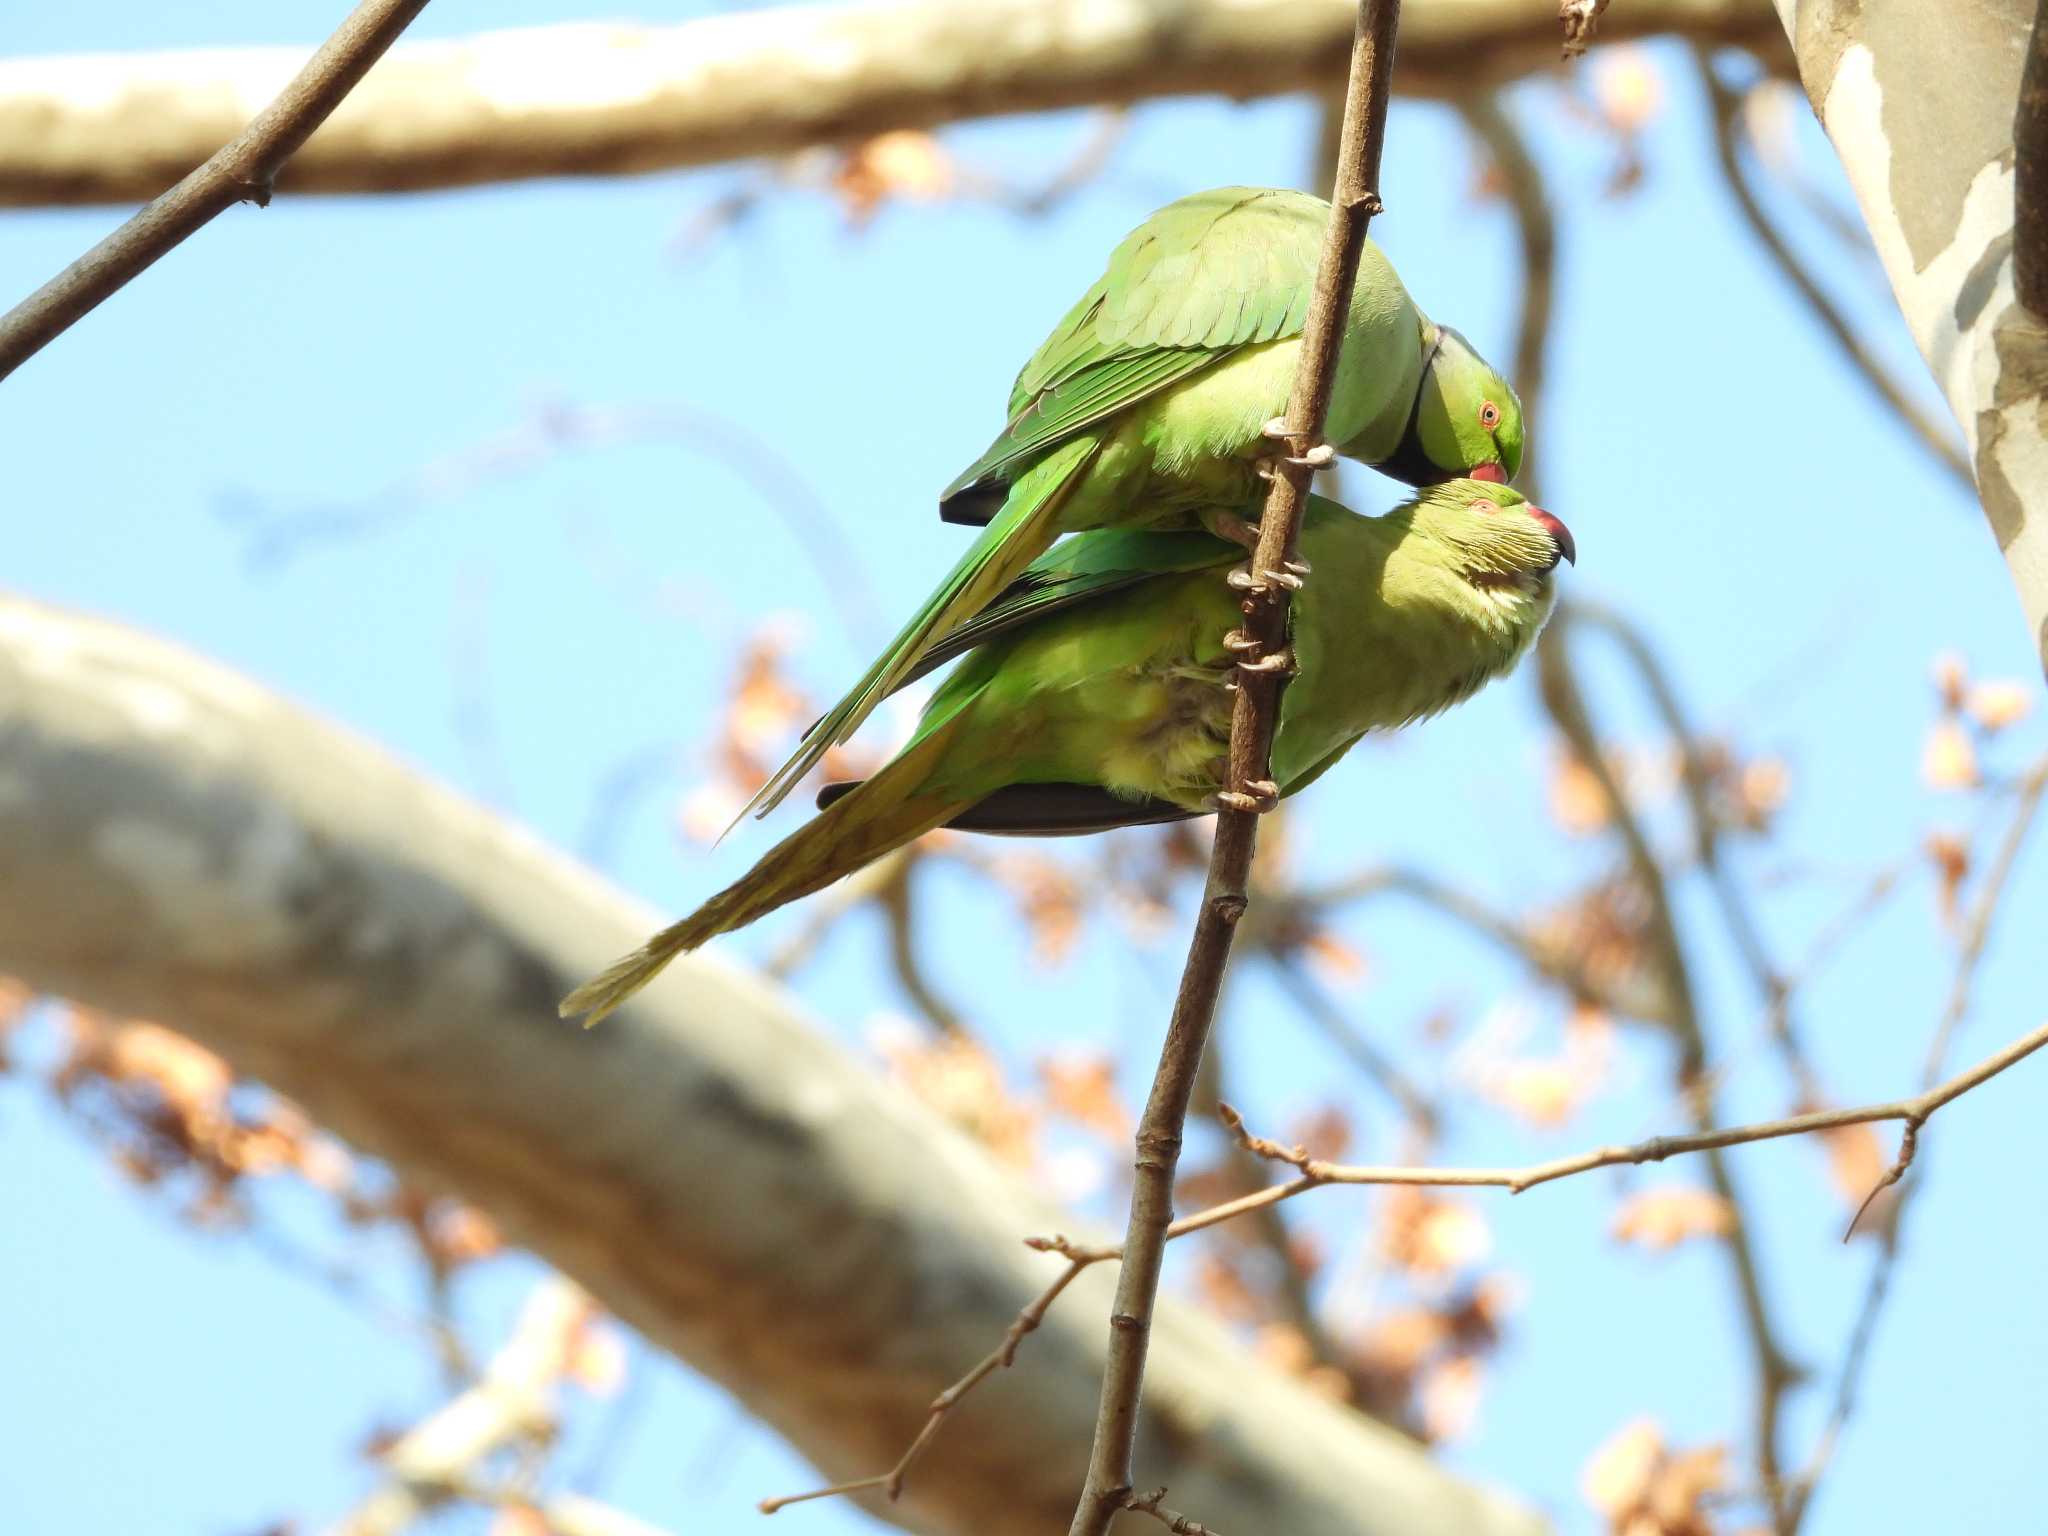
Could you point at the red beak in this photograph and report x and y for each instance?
(1492, 472)
(1559, 534)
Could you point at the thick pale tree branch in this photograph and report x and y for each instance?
(178, 844)
(240, 166)
(610, 99)
(1920, 98)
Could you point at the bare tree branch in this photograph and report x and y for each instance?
(441, 1459)
(1914, 1112)
(1316, 1174)
(1984, 910)
(1354, 201)
(1775, 1373)
(614, 99)
(1724, 107)
(178, 844)
(241, 171)
(1536, 229)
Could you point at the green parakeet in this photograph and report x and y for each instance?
(1153, 402)
(1093, 691)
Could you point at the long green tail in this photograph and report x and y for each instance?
(1016, 536)
(878, 817)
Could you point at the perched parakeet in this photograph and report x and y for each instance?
(1093, 694)
(1153, 402)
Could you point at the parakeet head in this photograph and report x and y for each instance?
(1495, 537)
(1467, 419)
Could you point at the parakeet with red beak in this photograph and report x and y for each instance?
(1093, 694)
(1154, 404)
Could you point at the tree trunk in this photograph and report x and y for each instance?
(1919, 97)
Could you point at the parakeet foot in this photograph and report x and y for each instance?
(1318, 456)
(1244, 579)
(1280, 663)
(1228, 525)
(1258, 796)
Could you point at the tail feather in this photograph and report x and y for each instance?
(886, 812)
(1019, 534)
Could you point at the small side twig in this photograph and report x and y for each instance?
(1915, 1112)
(242, 171)
(890, 1483)
(1522, 183)
(1313, 1173)
(1775, 1372)
(899, 910)
(1153, 1504)
(1969, 957)
(1772, 985)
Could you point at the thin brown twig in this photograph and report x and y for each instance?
(1321, 1010)
(1536, 227)
(1724, 106)
(1914, 1112)
(1775, 1373)
(1295, 1306)
(890, 1483)
(1969, 957)
(899, 912)
(1696, 782)
(1354, 201)
(1983, 911)
(1316, 1174)
(243, 170)
(1153, 1504)
(1555, 963)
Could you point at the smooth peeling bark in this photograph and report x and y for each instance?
(599, 99)
(179, 844)
(1919, 98)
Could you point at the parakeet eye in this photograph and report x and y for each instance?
(1489, 415)
(1483, 505)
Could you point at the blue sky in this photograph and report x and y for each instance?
(1792, 555)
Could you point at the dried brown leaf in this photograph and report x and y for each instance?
(1578, 803)
(1325, 1132)
(1617, 1477)
(1448, 1396)
(1950, 856)
(1951, 681)
(1996, 705)
(1949, 759)
(1082, 1088)
(1430, 1234)
(962, 1081)
(1628, 89)
(1663, 1218)
(597, 1360)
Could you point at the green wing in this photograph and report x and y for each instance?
(1201, 278)
(1000, 553)
(1078, 570)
